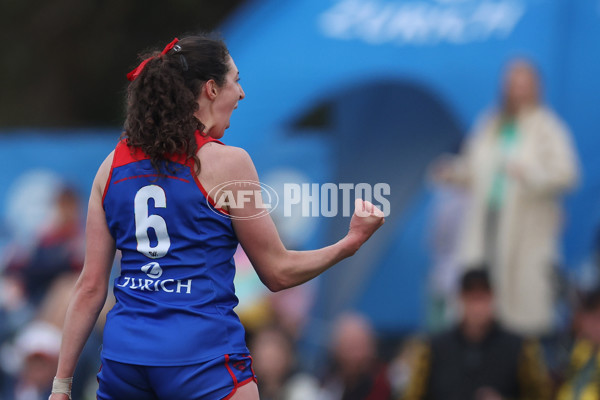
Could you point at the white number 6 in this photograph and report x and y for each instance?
(143, 222)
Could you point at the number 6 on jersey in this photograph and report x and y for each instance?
(143, 222)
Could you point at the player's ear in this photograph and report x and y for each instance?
(211, 89)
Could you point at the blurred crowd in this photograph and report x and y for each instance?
(37, 277)
(493, 330)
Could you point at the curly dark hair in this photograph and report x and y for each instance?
(162, 100)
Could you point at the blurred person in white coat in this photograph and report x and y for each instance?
(515, 167)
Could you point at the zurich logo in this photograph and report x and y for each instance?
(153, 270)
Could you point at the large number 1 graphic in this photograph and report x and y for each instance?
(143, 222)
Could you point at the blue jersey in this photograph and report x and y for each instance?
(175, 294)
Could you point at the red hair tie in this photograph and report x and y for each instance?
(138, 70)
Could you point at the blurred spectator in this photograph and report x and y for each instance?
(19, 364)
(357, 373)
(37, 350)
(274, 365)
(29, 275)
(478, 360)
(582, 378)
(59, 249)
(515, 167)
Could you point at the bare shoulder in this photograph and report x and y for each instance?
(221, 163)
(217, 153)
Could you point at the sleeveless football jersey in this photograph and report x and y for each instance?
(175, 295)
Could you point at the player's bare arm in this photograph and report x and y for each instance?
(278, 267)
(92, 286)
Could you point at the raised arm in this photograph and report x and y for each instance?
(92, 286)
(278, 267)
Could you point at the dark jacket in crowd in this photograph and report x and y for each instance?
(449, 367)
